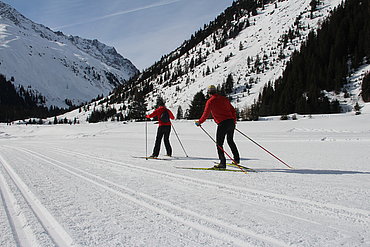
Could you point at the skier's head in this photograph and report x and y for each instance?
(160, 102)
(211, 89)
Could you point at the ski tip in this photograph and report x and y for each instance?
(245, 168)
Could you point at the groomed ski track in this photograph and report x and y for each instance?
(269, 219)
(24, 236)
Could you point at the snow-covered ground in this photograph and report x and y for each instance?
(80, 185)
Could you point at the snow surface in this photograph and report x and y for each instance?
(79, 185)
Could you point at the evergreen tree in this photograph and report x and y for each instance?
(197, 106)
(138, 109)
(323, 64)
(180, 113)
(313, 5)
(229, 84)
(366, 88)
(357, 109)
(100, 115)
(18, 103)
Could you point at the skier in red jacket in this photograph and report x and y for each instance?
(164, 129)
(224, 115)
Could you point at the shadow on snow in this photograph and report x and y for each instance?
(314, 171)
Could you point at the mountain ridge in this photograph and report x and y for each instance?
(59, 67)
(252, 47)
(249, 45)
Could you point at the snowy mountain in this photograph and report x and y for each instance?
(248, 43)
(252, 48)
(63, 69)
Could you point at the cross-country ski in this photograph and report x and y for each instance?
(209, 169)
(152, 158)
(244, 167)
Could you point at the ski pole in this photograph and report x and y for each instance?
(223, 150)
(179, 140)
(146, 138)
(264, 149)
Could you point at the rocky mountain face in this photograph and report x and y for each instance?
(63, 70)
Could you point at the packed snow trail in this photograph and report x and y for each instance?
(159, 209)
(17, 221)
(363, 214)
(56, 232)
(88, 181)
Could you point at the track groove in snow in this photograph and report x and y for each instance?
(18, 223)
(213, 227)
(57, 233)
(217, 228)
(123, 201)
(353, 213)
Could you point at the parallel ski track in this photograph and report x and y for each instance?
(22, 234)
(353, 213)
(231, 233)
(18, 222)
(357, 215)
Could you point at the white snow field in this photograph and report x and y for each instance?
(80, 185)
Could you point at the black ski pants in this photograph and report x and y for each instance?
(163, 131)
(226, 129)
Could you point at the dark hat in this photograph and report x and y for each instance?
(160, 102)
(211, 89)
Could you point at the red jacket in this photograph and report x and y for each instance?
(158, 112)
(220, 108)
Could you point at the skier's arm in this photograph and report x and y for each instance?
(153, 114)
(171, 114)
(206, 112)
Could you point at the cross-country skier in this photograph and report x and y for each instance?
(224, 115)
(164, 129)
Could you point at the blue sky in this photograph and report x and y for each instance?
(140, 30)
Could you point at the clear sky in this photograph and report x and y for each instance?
(140, 30)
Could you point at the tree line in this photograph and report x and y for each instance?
(18, 103)
(366, 88)
(325, 60)
(221, 29)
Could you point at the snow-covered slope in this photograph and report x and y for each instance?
(253, 58)
(256, 56)
(56, 66)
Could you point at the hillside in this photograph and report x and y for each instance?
(249, 43)
(327, 75)
(253, 48)
(64, 70)
(246, 48)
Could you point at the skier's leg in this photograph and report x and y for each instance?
(167, 131)
(230, 141)
(158, 141)
(220, 138)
